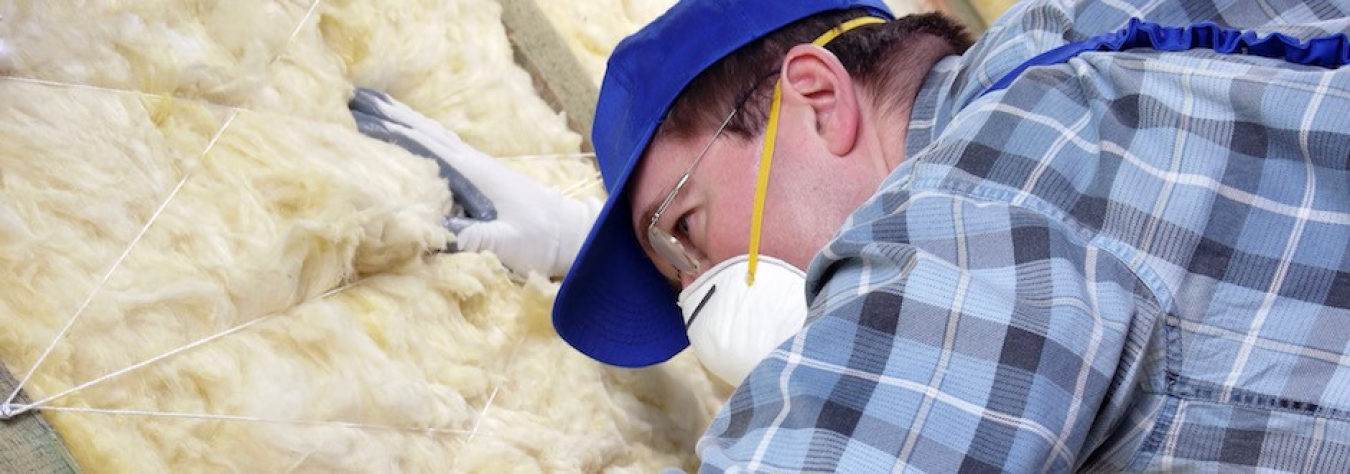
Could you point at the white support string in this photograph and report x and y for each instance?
(164, 204)
(482, 415)
(71, 85)
(10, 409)
(576, 188)
(571, 190)
(510, 360)
(117, 373)
(259, 419)
(87, 87)
(295, 32)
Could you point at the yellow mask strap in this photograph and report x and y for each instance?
(770, 136)
(832, 33)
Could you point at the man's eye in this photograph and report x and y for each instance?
(682, 226)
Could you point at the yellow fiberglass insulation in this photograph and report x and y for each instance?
(176, 171)
(592, 27)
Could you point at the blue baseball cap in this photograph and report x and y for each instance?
(614, 305)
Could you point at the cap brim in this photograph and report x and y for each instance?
(614, 306)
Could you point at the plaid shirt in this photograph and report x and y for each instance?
(1129, 261)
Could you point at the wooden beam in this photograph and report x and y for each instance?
(965, 12)
(558, 75)
(28, 443)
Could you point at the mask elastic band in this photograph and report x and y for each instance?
(770, 135)
(762, 183)
(833, 33)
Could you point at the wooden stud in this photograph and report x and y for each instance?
(965, 12)
(28, 443)
(558, 75)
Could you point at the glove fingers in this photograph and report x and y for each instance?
(476, 204)
(481, 184)
(384, 107)
(467, 196)
(371, 109)
(458, 224)
(369, 101)
(472, 235)
(372, 126)
(464, 241)
(516, 253)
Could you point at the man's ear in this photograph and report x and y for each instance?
(812, 76)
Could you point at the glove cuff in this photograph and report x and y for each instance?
(571, 228)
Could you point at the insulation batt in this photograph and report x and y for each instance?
(592, 27)
(223, 124)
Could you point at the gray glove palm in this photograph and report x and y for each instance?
(529, 226)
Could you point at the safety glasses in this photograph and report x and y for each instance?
(667, 246)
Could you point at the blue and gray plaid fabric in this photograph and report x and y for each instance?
(1130, 261)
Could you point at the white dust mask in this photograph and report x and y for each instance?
(732, 326)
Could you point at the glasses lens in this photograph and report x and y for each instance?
(669, 249)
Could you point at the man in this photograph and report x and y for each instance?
(1031, 256)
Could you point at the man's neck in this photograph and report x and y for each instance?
(892, 116)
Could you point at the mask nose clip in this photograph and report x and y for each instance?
(698, 309)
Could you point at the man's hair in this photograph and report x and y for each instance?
(869, 54)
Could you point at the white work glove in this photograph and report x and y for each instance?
(529, 226)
